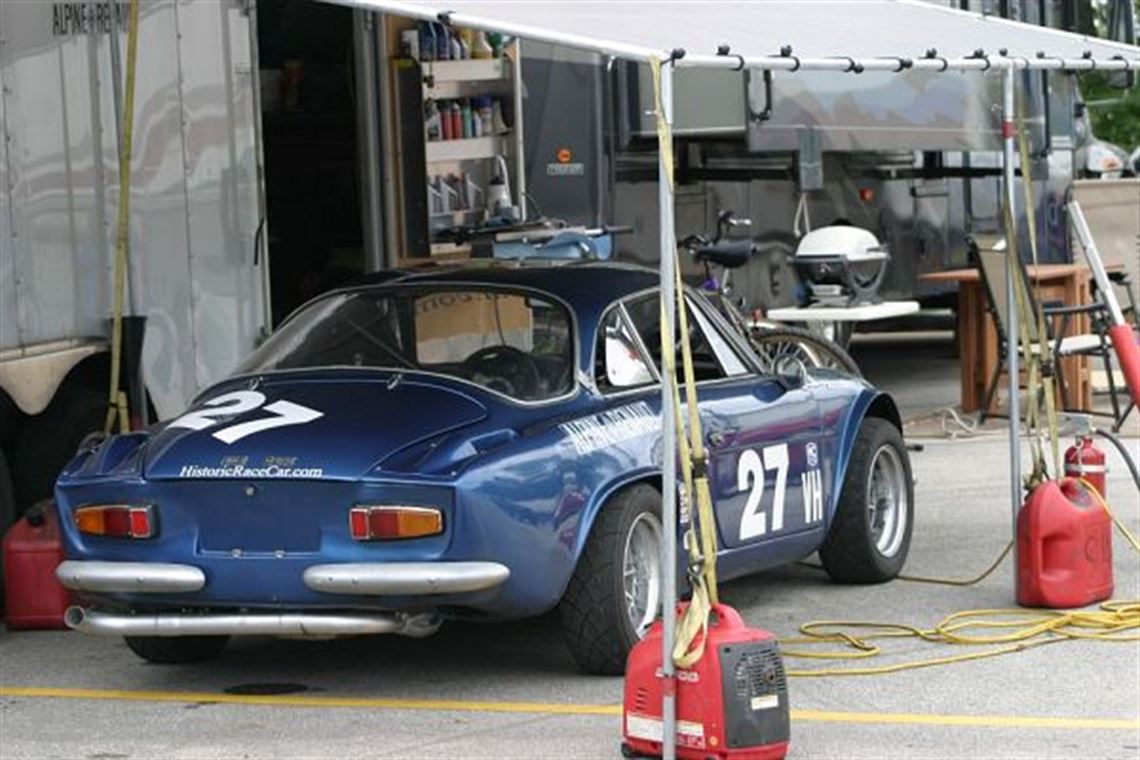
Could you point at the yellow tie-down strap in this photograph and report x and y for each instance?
(700, 539)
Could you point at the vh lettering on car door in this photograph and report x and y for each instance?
(227, 406)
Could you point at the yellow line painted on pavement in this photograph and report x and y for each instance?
(552, 708)
(296, 700)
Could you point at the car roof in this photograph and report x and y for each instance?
(585, 286)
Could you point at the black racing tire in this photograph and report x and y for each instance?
(865, 544)
(596, 624)
(49, 441)
(176, 650)
(810, 348)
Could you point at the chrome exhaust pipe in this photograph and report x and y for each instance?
(250, 624)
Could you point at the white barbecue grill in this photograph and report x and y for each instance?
(841, 265)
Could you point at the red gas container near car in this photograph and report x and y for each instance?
(1064, 547)
(731, 704)
(1084, 460)
(32, 551)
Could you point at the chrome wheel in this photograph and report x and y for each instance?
(641, 572)
(887, 506)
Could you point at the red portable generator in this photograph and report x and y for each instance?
(731, 704)
(33, 598)
(1064, 547)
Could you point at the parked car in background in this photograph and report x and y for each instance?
(478, 444)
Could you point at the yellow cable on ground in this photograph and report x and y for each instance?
(117, 402)
(1021, 628)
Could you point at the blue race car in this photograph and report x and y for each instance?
(477, 444)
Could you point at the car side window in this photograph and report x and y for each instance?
(729, 359)
(646, 316)
(619, 362)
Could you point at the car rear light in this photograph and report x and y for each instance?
(386, 523)
(116, 521)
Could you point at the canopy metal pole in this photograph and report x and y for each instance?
(1013, 340)
(669, 430)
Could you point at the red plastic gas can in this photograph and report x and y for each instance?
(32, 551)
(731, 704)
(1064, 547)
(1084, 460)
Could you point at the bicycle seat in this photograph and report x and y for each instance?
(729, 254)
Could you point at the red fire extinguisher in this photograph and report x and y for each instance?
(1085, 461)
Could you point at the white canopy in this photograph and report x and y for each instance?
(815, 34)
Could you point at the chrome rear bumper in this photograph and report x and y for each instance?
(129, 577)
(367, 578)
(411, 578)
(251, 624)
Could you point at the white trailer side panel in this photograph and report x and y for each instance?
(194, 179)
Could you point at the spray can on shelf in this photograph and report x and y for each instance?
(465, 118)
(456, 116)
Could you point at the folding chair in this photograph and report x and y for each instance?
(992, 262)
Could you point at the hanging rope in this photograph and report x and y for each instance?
(117, 401)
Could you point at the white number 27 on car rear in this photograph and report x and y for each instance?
(228, 405)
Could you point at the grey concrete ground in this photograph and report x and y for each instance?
(1060, 700)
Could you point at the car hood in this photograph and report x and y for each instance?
(305, 427)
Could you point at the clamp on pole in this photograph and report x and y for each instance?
(902, 64)
(932, 55)
(724, 50)
(980, 54)
(786, 52)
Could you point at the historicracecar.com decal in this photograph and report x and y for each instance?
(611, 427)
(242, 471)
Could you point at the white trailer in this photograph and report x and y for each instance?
(197, 215)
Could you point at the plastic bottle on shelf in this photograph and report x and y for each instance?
(427, 41)
(467, 37)
(444, 121)
(498, 123)
(442, 43)
(482, 48)
(486, 122)
(432, 123)
(456, 48)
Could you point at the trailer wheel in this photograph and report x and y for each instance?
(176, 650)
(615, 592)
(870, 535)
(49, 440)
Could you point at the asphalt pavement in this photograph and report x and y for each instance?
(511, 691)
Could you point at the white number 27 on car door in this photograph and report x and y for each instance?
(751, 470)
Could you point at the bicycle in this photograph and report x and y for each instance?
(771, 341)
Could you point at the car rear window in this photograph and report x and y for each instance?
(516, 343)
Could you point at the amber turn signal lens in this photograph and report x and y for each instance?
(386, 523)
(116, 521)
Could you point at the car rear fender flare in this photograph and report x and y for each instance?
(868, 404)
(650, 476)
